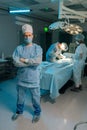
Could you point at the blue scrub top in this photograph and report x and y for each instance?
(28, 73)
(53, 52)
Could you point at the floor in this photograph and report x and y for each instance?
(69, 112)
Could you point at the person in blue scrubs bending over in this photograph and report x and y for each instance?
(27, 57)
(54, 52)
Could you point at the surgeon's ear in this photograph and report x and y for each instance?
(32, 35)
(35, 36)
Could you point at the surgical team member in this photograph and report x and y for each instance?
(79, 62)
(27, 58)
(55, 52)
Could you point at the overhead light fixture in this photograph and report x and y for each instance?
(16, 10)
(56, 25)
(65, 24)
(67, 27)
(72, 29)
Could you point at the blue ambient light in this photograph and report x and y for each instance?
(19, 11)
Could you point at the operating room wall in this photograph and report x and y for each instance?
(10, 33)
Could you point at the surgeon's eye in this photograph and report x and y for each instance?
(30, 35)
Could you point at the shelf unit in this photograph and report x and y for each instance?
(7, 70)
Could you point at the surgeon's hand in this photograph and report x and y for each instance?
(23, 60)
(64, 57)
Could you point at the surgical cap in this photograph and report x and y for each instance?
(27, 28)
(64, 46)
(79, 37)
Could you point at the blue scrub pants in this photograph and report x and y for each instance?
(35, 94)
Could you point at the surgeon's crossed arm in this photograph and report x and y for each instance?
(23, 62)
(18, 63)
(31, 61)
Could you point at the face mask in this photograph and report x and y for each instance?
(77, 42)
(28, 40)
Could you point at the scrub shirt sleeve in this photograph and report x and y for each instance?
(37, 59)
(16, 57)
(80, 53)
(53, 50)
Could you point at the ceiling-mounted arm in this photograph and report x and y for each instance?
(65, 25)
(60, 3)
(74, 12)
(62, 13)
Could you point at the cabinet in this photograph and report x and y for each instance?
(2, 70)
(7, 69)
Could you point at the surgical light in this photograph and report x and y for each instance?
(13, 11)
(65, 25)
(72, 29)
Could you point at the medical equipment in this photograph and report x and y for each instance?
(65, 24)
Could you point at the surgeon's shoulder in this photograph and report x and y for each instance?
(19, 47)
(37, 46)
